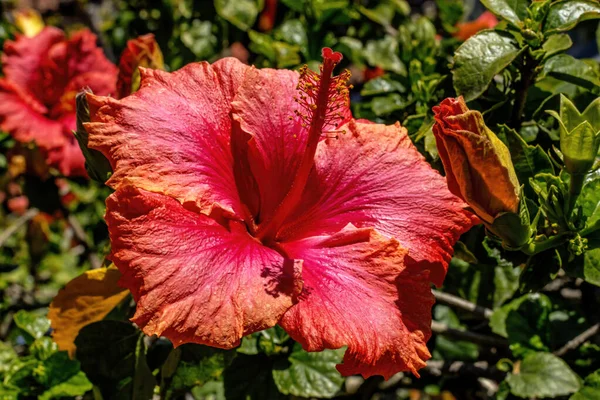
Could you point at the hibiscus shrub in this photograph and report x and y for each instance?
(271, 199)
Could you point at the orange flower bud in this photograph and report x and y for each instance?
(477, 164)
(142, 51)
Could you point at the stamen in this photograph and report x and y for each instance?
(322, 98)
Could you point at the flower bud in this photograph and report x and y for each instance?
(479, 170)
(579, 135)
(96, 165)
(142, 51)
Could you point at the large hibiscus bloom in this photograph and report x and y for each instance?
(238, 206)
(42, 75)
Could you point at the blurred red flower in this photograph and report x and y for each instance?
(465, 30)
(42, 75)
(239, 204)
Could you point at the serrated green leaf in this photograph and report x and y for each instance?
(310, 374)
(479, 59)
(564, 15)
(590, 389)
(513, 11)
(543, 375)
(241, 13)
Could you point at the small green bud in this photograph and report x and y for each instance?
(579, 135)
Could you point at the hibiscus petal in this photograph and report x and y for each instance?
(69, 59)
(358, 292)
(172, 136)
(194, 280)
(373, 176)
(21, 116)
(23, 57)
(264, 108)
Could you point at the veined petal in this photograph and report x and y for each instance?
(373, 176)
(359, 292)
(264, 108)
(172, 136)
(193, 280)
(22, 58)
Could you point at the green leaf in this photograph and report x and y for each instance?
(241, 13)
(249, 344)
(250, 378)
(479, 59)
(590, 389)
(589, 200)
(113, 356)
(310, 374)
(213, 390)
(449, 349)
(293, 32)
(382, 86)
(528, 160)
(282, 54)
(513, 11)
(543, 375)
(556, 44)
(199, 39)
(33, 324)
(525, 322)
(43, 348)
(572, 70)
(384, 53)
(385, 105)
(199, 365)
(564, 15)
(540, 270)
(77, 385)
(450, 11)
(7, 355)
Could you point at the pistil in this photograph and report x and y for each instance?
(322, 99)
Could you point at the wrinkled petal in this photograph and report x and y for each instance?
(22, 58)
(359, 292)
(172, 136)
(193, 280)
(372, 176)
(22, 116)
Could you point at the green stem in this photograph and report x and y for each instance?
(575, 186)
(537, 247)
(528, 72)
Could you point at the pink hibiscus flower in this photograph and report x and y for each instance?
(42, 75)
(239, 206)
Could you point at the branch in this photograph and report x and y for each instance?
(14, 227)
(463, 304)
(485, 340)
(578, 340)
(479, 369)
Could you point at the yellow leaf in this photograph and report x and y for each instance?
(86, 299)
(29, 22)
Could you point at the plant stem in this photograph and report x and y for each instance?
(22, 220)
(459, 334)
(578, 340)
(527, 77)
(575, 186)
(463, 304)
(538, 247)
